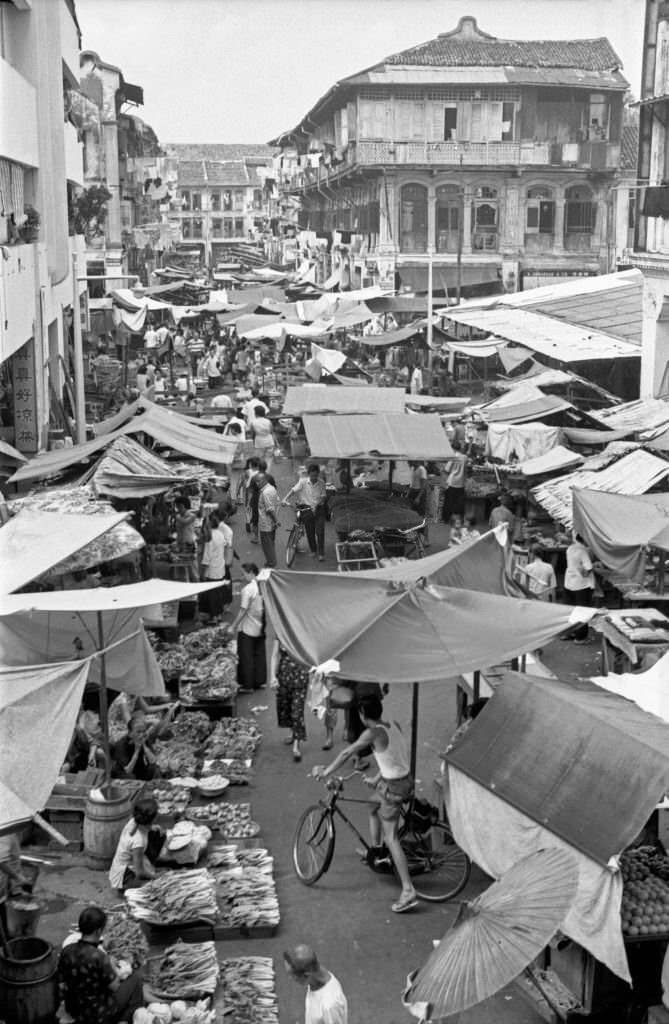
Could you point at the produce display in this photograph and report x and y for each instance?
(177, 755)
(231, 857)
(125, 940)
(172, 661)
(172, 800)
(193, 728)
(175, 897)
(645, 904)
(247, 899)
(219, 685)
(202, 642)
(179, 1010)
(233, 820)
(248, 990)
(236, 770)
(233, 737)
(186, 971)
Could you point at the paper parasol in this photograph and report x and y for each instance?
(495, 936)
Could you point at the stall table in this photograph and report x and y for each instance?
(633, 633)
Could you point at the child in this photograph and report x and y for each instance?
(469, 531)
(457, 532)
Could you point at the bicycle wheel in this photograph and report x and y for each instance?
(313, 844)
(291, 546)
(443, 869)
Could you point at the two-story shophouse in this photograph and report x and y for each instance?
(490, 158)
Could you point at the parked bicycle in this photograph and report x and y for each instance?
(442, 868)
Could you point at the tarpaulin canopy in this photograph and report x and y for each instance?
(403, 303)
(365, 624)
(438, 404)
(565, 342)
(39, 705)
(353, 317)
(128, 470)
(386, 436)
(581, 435)
(650, 689)
(522, 441)
(480, 564)
(32, 542)
(329, 359)
(392, 337)
(125, 413)
(525, 412)
(476, 349)
(558, 458)
(146, 594)
(635, 473)
(617, 527)
(11, 453)
(167, 428)
(583, 763)
(445, 276)
(319, 398)
(364, 509)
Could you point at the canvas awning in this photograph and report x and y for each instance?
(364, 624)
(526, 412)
(39, 705)
(617, 527)
(383, 435)
(583, 763)
(564, 342)
(391, 337)
(445, 276)
(581, 435)
(453, 406)
(128, 470)
(32, 542)
(320, 398)
(167, 428)
(649, 690)
(558, 458)
(403, 304)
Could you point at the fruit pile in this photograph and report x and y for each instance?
(645, 904)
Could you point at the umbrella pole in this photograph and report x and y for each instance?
(104, 717)
(414, 729)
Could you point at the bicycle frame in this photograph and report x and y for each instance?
(332, 807)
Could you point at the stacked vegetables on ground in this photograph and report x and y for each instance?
(248, 990)
(125, 940)
(176, 897)
(233, 820)
(238, 771)
(186, 971)
(233, 737)
(246, 890)
(645, 904)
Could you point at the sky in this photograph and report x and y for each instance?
(246, 70)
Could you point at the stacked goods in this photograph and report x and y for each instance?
(172, 800)
(233, 820)
(186, 971)
(177, 756)
(247, 898)
(248, 990)
(124, 940)
(233, 737)
(231, 858)
(645, 904)
(211, 666)
(203, 642)
(172, 661)
(238, 772)
(177, 897)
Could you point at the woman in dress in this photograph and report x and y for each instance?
(291, 681)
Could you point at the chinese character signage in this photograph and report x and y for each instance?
(26, 437)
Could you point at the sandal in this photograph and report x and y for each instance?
(405, 903)
(327, 745)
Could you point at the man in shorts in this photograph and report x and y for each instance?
(393, 786)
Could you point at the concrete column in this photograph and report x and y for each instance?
(388, 213)
(113, 183)
(467, 228)
(654, 336)
(558, 231)
(431, 218)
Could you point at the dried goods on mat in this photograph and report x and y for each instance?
(125, 940)
(248, 988)
(186, 971)
(175, 897)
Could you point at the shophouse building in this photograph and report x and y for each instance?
(41, 162)
(491, 159)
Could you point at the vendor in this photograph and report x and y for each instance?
(138, 847)
(90, 984)
(78, 752)
(132, 755)
(122, 709)
(12, 880)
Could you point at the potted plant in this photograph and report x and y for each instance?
(88, 212)
(29, 230)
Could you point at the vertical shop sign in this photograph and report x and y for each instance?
(26, 438)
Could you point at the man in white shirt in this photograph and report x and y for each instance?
(268, 518)
(214, 563)
(311, 495)
(416, 384)
(249, 624)
(150, 337)
(212, 371)
(325, 1002)
(540, 576)
(221, 401)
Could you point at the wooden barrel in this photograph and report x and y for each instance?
(28, 982)
(103, 824)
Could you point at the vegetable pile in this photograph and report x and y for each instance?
(645, 904)
(186, 971)
(172, 800)
(233, 737)
(239, 772)
(172, 661)
(233, 820)
(202, 642)
(247, 898)
(248, 990)
(176, 756)
(125, 940)
(179, 1010)
(177, 897)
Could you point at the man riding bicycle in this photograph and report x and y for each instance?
(393, 785)
(312, 500)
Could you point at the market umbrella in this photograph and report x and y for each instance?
(496, 936)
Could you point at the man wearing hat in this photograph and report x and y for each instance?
(324, 1002)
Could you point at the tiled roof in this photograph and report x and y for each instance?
(229, 172)
(190, 172)
(467, 46)
(219, 151)
(629, 147)
(225, 173)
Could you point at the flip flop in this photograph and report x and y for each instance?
(404, 903)
(328, 745)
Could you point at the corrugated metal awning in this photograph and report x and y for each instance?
(384, 436)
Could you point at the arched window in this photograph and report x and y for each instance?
(413, 218)
(447, 218)
(485, 218)
(539, 218)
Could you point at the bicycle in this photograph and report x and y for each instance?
(295, 535)
(431, 851)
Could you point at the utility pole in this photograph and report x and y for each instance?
(79, 397)
(461, 232)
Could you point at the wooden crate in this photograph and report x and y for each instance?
(70, 824)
